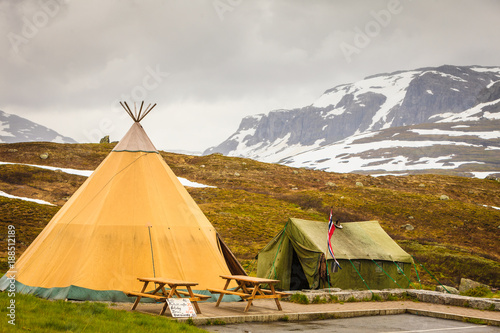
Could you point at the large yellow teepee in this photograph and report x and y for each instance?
(131, 218)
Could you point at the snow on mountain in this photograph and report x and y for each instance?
(17, 129)
(464, 149)
(446, 94)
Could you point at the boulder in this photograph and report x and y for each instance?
(467, 284)
(407, 227)
(44, 156)
(105, 139)
(448, 289)
(444, 197)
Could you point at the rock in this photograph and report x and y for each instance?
(360, 184)
(295, 172)
(421, 185)
(202, 166)
(407, 227)
(444, 197)
(236, 174)
(12, 150)
(492, 177)
(295, 188)
(331, 184)
(467, 284)
(410, 217)
(244, 163)
(451, 290)
(105, 139)
(44, 156)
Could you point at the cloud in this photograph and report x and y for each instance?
(222, 65)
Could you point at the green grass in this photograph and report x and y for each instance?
(39, 315)
(299, 298)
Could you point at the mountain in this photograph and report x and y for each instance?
(372, 110)
(17, 129)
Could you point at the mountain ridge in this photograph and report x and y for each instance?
(378, 102)
(14, 129)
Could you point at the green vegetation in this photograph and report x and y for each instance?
(480, 291)
(215, 322)
(319, 300)
(299, 298)
(38, 315)
(474, 321)
(252, 201)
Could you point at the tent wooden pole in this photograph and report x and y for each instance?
(147, 112)
(140, 111)
(126, 110)
(133, 116)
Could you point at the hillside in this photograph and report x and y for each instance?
(456, 237)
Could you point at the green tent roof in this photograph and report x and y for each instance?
(356, 240)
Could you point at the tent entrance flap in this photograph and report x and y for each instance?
(298, 280)
(232, 263)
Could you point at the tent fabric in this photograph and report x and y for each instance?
(294, 256)
(136, 139)
(130, 210)
(232, 263)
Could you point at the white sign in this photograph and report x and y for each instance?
(181, 307)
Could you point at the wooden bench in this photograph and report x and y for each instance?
(249, 288)
(267, 291)
(229, 292)
(161, 294)
(137, 293)
(197, 297)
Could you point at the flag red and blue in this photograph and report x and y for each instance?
(331, 229)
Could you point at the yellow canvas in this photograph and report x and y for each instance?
(131, 209)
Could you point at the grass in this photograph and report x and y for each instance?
(481, 291)
(299, 298)
(38, 315)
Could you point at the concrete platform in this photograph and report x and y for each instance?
(266, 311)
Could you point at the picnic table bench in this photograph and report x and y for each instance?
(249, 288)
(161, 293)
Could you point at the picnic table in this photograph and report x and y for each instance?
(249, 288)
(162, 293)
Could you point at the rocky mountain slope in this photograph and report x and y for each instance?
(17, 129)
(372, 109)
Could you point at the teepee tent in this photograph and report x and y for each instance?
(131, 218)
(296, 257)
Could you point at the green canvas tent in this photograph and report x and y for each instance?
(298, 257)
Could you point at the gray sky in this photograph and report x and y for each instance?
(207, 64)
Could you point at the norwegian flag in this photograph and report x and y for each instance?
(331, 229)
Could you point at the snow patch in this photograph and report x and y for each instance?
(38, 201)
(482, 135)
(87, 173)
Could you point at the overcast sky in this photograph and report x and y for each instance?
(209, 63)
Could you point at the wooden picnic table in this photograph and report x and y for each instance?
(249, 288)
(161, 293)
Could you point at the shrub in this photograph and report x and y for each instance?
(299, 298)
(479, 291)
